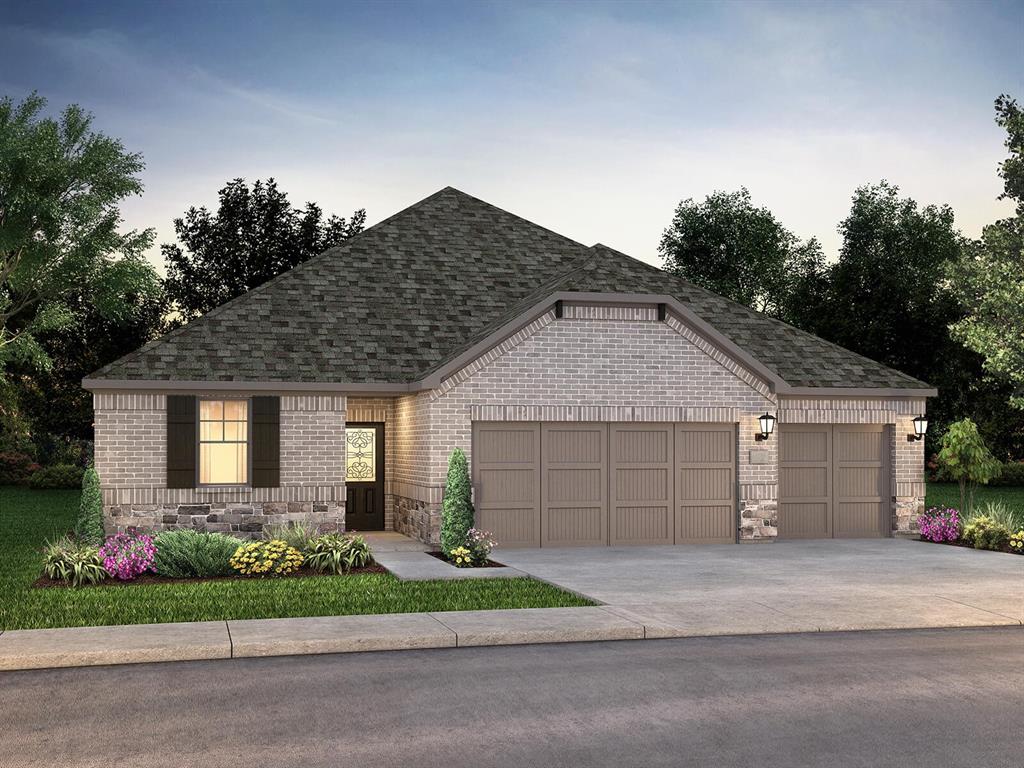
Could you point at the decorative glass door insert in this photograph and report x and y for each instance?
(361, 454)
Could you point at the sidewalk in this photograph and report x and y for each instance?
(86, 646)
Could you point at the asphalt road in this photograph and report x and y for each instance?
(911, 698)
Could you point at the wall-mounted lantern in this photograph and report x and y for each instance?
(767, 422)
(920, 428)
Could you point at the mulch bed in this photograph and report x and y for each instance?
(1007, 549)
(152, 578)
(487, 564)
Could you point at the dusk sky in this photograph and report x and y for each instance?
(592, 119)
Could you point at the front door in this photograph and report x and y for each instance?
(364, 477)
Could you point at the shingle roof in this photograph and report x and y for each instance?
(410, 293)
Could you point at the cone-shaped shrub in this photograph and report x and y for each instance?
(457, 506)
(89, 526)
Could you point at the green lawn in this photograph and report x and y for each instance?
(29, 517)
(948, 495)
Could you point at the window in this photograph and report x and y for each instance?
(361, 454)
(223, 442)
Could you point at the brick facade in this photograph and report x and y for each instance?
(131, 455)
(595, 363)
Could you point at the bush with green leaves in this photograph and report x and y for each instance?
(985, 533)
(57, 476)
(185, 553)
(295, 534)
(89, 525)
(457, 504)
(966, 459)
(16, 467)
(1012, 475)
(73, 561)
(999, 512)
(338, 553)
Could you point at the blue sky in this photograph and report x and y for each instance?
(593, 119)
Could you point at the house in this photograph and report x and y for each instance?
(600, 401)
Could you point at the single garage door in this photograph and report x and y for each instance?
(561, 484)
(834, 481)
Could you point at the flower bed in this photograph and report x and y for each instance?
(995, 527)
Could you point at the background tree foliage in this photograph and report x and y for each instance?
(254, 236)
(728, 245)
(60, 187)
(990, 281)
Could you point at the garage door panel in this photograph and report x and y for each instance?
(642, 484)
(804, 446)
(573, 446)
(511, 526)
(574, 526)
(507, 445)
(858, 519)
(711, 524)
(643, 525)
(705, 446)
(642, 446)
(859, 446)
(805, 521)
(501, 486)
(506, 477)
(803, 481)
(858, 481)
(700, 484)
(574, 485)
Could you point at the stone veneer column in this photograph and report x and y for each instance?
(758, 481)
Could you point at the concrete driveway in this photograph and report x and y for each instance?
(789, 586)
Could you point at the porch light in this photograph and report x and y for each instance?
(767, 423)
(920, 428)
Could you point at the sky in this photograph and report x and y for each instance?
(592, 119)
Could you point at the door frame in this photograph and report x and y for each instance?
(378, 483)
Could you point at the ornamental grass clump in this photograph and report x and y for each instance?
(73, 561)
(338, 553)
(128, 555)
(266, 558)
(940, 524)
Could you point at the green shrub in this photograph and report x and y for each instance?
(984, 533)
(185, 553)
(57, 476)
(75, 562)
(295, 534)
(16, 467)
(89, 525)
(457, 504)
(1012, 475)
(338, 553)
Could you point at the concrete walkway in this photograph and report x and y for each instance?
(419, 566)
(652, 592)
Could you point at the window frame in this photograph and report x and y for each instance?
(248, 441)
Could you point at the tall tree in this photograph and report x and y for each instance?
(990, 283)
(60, 187)
(732, 247)
(254, 236)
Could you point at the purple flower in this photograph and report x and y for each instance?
(126, 555)
(940, 524)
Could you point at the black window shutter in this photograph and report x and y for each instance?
(266, 442)
(181, 441)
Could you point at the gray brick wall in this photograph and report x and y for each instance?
(131, 433)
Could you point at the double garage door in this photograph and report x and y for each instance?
(558, 484)
(834, 481)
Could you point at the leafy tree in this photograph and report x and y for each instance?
(60, 187)
(990, 283)
(731, 247)
(254, 236)
(965, 458)
(457, 504)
